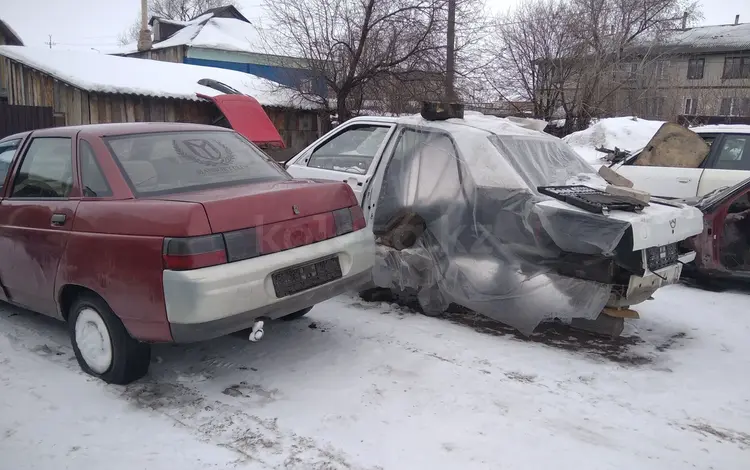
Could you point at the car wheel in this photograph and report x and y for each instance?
(297, 314)
(102, 345)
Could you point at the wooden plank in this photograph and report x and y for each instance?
(85, 112)
(118, 109)
(123, 112)
(156, 107)
(140, 115)
(102, 108)
(75, 106)
(171, 110)
(94, 108)
(130, 109)
(48, 92)
(107, 108)
(39, 89)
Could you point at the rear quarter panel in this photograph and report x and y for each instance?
(115, 249)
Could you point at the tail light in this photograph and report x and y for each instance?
(358, 218)
(181, 254)
(242, 244)
(349, 219)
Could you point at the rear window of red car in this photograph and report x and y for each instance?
(170, 162)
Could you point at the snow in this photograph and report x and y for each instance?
(366, 385)
(226, 34)
(722, 128)
(92, 71)
(714, 37)
(625, 133)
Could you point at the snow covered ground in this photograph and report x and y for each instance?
(625, 133)
(365, 386)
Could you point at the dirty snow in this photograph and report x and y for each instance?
(369, 385)
(625, 133)
(92, 71)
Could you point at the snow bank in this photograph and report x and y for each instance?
(625, 133)
(92, 71)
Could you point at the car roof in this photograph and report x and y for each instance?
(722, 129)
(19, 135)
(124, 128)
(488, 123)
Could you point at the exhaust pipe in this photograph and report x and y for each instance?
(256, 334)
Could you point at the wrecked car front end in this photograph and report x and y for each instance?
(460, 219)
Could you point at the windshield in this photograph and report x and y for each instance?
(542, 161)
(170, 162)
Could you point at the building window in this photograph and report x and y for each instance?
(662, 69)
(58, 119)
(306, 85)
(737, 67)
(734, 107)
(695, 69)
(691, 106)
(630, 70)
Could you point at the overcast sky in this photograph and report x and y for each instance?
(97, 23)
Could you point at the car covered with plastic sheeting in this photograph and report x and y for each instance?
(498, 217)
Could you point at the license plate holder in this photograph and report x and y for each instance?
(302, 277)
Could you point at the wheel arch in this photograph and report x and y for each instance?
(69, 293)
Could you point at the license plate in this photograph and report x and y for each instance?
(300, 278)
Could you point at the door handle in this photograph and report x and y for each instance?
(684, 180)
(58, 219)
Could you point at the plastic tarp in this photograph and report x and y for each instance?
(479, 237)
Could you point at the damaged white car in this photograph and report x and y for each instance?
(500, 218)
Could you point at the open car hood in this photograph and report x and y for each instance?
(673, 146)
(247, 117)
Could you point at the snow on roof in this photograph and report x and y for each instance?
(709, 38)
(625, 133)
(92, 71)
(226, 34)
(722, 128)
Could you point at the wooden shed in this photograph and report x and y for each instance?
(88, 88)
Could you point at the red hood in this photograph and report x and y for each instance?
(246, 116)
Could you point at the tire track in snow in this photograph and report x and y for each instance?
(228, 425)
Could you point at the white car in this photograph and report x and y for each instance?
(727, 163)
(460, 213)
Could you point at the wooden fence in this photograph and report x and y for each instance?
(15, 118)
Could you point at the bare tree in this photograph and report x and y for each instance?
(178, 10)
(351, 44)
(578, 55)
(530, 54)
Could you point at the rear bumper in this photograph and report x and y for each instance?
(640, 288)
(211, 302)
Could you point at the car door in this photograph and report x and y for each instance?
(349, 153)
(728, 164)
(663, 181)
(8, 150)
(36, 217)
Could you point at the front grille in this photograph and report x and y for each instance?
(661, 256)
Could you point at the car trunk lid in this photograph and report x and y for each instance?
(254, 205)
(657, 225)
(247, 117)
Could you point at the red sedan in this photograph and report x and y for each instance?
(143, 233)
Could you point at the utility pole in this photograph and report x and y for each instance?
(49, 42)
(450, 60)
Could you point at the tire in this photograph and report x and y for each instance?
(102, 345)
(297, 314)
